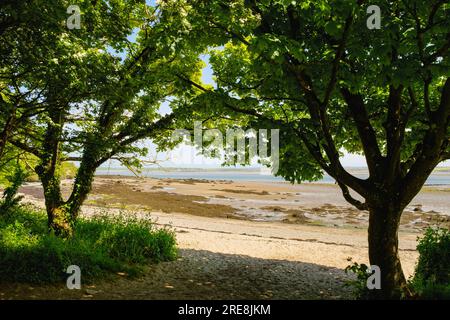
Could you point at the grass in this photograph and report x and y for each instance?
(429, 290)
(101, 246)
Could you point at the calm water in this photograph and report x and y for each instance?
(434, 179)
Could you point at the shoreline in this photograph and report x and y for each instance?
(439, 177)
(310, 204)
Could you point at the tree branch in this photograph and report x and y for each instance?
(394, 133)
(25, 147)
(337, 60)
(346, 193)
(365, 129)
(430, 153)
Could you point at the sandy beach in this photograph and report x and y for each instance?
(242, 240)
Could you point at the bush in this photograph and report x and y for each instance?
(68, 170)
(10, 199)
(101, 245)
(432, 275)
(359, 285)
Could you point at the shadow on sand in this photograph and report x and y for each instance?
(200, 274)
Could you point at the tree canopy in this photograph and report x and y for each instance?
(316, 71)
(89, 94)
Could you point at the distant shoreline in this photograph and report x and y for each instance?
(440, 177)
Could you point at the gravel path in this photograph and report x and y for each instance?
(232, 259)
(202, 274)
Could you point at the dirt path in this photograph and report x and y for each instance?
(207, 275)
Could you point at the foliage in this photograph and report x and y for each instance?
(14, 158)
(94, 92)
(28, 253)
(68, 170)
(274, 47)
(432, 275)
(10, 199)
(360, 283)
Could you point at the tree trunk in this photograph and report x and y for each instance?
(59, 220)
(4, 135)
(384, 222)
(49, 169)
(84, 179)
(82, 187)
(62, 216)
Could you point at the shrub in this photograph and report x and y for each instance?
(432, 275)
(10, 198)
(101, 245)
(359, 285)
(68, 170)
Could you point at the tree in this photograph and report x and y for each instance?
(314, 70)
(99, 92)
(21, 25)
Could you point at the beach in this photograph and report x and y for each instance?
(242, 239)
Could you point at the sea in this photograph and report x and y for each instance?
(437, 178)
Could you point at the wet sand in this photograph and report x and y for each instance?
(311, 204)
